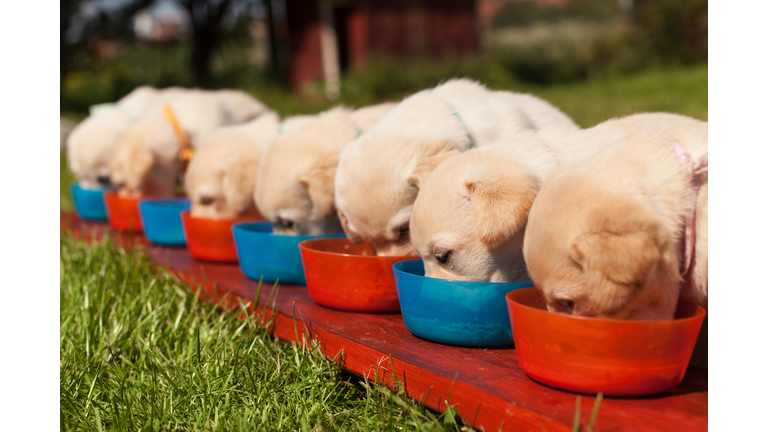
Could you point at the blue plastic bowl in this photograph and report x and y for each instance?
(89, 203)
(161, 219)
(262, 253)
(454, 312)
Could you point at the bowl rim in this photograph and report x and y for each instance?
(304, 246)
(113, 193)
(76, 186)
(515, 285)
(700, 313)
(185, 214)
(240, 226)
(168, 200)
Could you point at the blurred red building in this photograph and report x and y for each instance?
(328, 36)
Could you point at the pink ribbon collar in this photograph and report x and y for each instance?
(694, 171)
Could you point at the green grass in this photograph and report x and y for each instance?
(66, 178)
(681, 90)
(140, 351)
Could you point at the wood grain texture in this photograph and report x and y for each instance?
(487, 387)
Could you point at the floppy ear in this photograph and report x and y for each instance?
(320, 185)
(428, 163)
(238, 182)
(626, 259)
(500, 206)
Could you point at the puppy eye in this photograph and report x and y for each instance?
(206, 201)
(288, 224)
(566, 305)
(404, 232)
(443, 258)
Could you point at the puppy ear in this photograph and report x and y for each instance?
(320, 186)
(500, 206)
(238, 182)
(611, 259)
(428, 163)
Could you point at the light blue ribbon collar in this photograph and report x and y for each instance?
(469, 137)
(97, 109)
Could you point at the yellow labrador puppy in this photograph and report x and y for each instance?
(295, 183)
(146, 157)
(623, 234)
(91, 142)
(469, 218)
(221, 178)
(381, 172)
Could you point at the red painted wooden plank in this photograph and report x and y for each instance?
(487, 387)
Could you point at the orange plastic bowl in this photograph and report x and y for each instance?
(210, 239)
(591, 355)
(345, 276)
(123, 212)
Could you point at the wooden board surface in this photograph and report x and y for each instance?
(486, 386)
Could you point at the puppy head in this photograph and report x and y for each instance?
(299, 201)
(378, 180)
(469, 218)
(221, 177)
(135, 169)
(90, 146)
(596, 253)
(294, 186)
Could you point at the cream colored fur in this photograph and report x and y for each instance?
(295, 183)
(145, 160)
(92, 141)
(221, 178)
(605, 236)
(381, 172)
(469, 217)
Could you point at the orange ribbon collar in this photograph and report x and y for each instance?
(186, 153)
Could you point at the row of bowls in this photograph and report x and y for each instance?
(586, 355)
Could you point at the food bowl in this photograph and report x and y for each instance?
(161, 219)
(345, 276)
(453, 312)
(273, 256)
(89, 203)
(123, 212)
(210, 239)
(591, 355)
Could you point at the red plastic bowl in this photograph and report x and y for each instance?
(345, 276)
(123, 212)
(209, 239)
(591, 355)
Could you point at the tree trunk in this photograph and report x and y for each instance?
(203, 43)
(205, 17)
(272, 39)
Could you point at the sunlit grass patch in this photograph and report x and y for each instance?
(66, 178)
(681, 90)
(140, 351)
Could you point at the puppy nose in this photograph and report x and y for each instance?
(103, 180)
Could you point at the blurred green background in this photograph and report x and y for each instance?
(595, 59)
